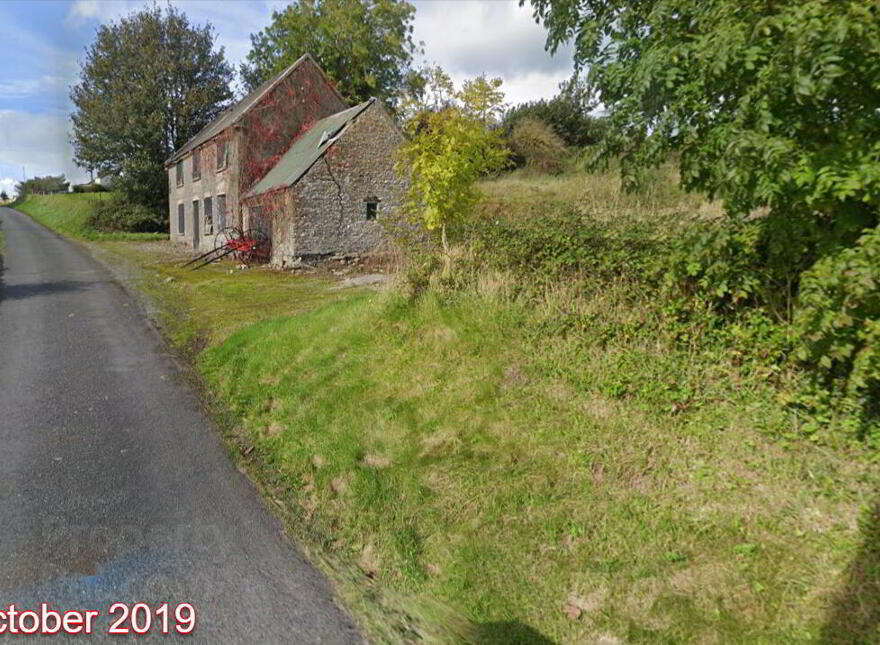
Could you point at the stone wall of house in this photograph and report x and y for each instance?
(285, 111)
(327, 209)
(212, 183)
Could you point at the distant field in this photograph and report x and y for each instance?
(67, 214)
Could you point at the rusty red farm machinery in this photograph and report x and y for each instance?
(246, 247)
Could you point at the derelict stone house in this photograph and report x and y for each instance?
(294, 161)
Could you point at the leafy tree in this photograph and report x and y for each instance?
(3, 195)
(365, 46)
(148, 83)
(446, 152)
(769, 103)
(428, 88)
(47, 185)
(483, 98)
(569, 113)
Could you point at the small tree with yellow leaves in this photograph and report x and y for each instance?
(446, 152)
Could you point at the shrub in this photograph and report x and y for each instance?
(734, 262)
(535, 145)
(552, 245)
(838, 322)
(118, 214)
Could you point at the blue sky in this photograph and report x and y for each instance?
(42, 41)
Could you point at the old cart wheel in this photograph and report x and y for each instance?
(255, 247)
(226, 236)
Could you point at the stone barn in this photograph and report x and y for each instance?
(294, 161)
(328, 192)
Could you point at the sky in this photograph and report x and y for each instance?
(41, 42)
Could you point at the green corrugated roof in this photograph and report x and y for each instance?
(306, 150)
(238, 110)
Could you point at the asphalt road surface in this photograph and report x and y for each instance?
(114, 486)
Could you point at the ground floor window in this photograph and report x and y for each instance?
(221, 212)
(181, 220)
(209, 216)
(371, 205)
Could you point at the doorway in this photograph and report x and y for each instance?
(195, 224)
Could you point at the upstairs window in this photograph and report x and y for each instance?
(208, 214)
(371, 208)
(179, 172)
(181, 220)
(197, 164)
(222, 155)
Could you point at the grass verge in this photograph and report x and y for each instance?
(67, 214)
(452, 458)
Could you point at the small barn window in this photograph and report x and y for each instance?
(221, 212)
(179, 171)
(371, 208)
(181, 220)
(209, 216)
(222, 158)
(197, 164)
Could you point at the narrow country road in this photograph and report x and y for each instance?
(114, 486)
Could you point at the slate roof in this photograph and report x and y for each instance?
(233, 114)
(307, 149)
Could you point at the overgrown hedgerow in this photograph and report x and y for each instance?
(118, 214)
(719, 287)
(838, 322)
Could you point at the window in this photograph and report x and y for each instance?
(372, 207)
(209, 217)
(221, 212)
(179, 171)
(197, 164)
(181, 220)
(196, 218)
(222, 155)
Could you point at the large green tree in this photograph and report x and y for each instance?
(147, 84)
(365, 46)
(768, 103)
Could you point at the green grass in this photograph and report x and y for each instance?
(67, 215)
(201, 308)
(432, 443)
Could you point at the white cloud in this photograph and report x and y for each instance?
(7, 184)
(39, 142)
(25, 87)
(471, 37)
(84, 10)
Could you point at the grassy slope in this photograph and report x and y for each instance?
(67, 214)
(435, 450)
(453, 452)
(455, 455)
